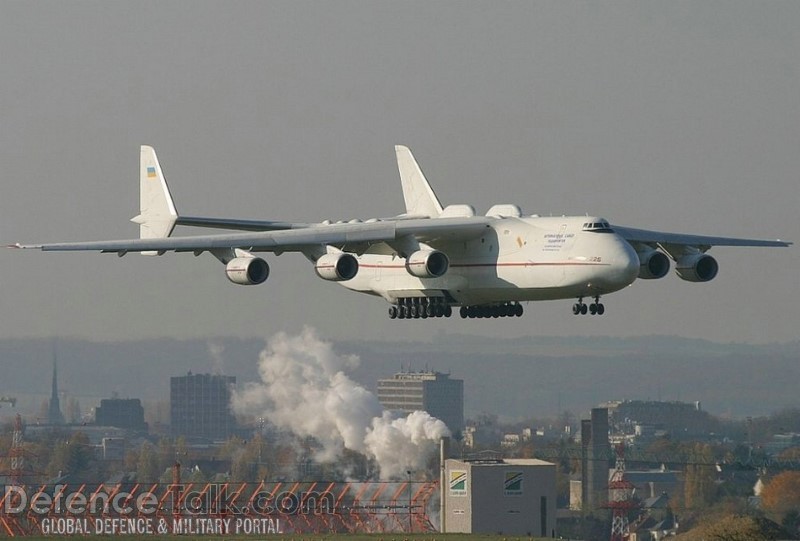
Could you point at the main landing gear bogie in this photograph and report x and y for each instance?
(596, 308)
(508, 309)
(420, 308)
(433, 307)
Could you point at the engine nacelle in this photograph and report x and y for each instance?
(653, 265)
(697, 268)
(336, 267)
(247, 271)
(427, 264)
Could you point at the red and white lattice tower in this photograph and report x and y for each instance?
(17, 453)
(621, 497)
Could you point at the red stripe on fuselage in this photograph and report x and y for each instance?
(476, 265)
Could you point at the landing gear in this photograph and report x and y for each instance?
(420, 308)
(434, 307)
(596, 308)
(507, 309)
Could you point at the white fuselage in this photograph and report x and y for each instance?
(517, 259)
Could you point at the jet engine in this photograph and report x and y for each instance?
(247, 271)
(653, 265)
(697, 268)
(336, 267)
(427, 264)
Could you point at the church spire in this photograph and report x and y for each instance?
(55, 417)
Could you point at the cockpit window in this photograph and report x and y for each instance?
(598, 227)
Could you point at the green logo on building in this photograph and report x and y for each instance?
(513, 483)
(458, 483)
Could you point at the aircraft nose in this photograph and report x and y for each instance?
(625, 262)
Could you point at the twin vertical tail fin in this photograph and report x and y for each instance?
(157, 213)
(419, 196)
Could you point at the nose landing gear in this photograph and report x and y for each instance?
(581, 309)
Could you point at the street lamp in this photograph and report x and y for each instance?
(410, 527)
(260, 440)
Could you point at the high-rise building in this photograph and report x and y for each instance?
(121, 413)
(200, 406)
(433, 392)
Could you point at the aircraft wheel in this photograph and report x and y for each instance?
(463, 312)
(430, 310)
(518, 310)
(600, 309)
(448, 311)
(593, 309)
(584, 309)
(392, 312)
(576, 309)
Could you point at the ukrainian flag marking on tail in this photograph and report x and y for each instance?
(151, 172)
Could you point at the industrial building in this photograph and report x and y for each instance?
(433, 392)
(121, 413)
(499, 496)
(200, 406)
(679, 420)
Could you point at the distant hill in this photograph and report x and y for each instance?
(512, 378)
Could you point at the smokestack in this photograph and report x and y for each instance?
(586, 441)
(444, 454)
(599, 452)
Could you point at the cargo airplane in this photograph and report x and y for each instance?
(432, 258)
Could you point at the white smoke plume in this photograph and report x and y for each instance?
(216, 351)
(304, 388)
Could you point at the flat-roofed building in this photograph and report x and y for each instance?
(200, 406)
(121, 413)
(433, 392)
(504, 496)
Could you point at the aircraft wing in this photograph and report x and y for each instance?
(287, 240)
(267, 225)
(677, 240)
(243, 225)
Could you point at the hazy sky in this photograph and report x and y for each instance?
(678, 116)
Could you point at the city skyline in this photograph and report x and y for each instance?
(531, 377)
